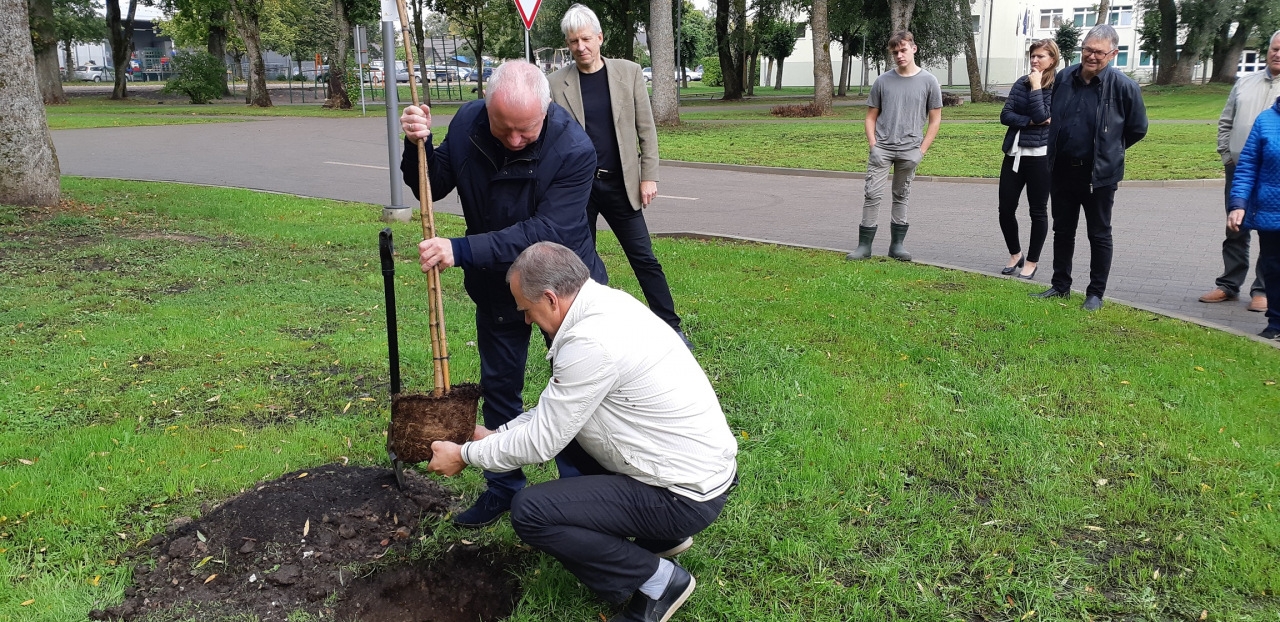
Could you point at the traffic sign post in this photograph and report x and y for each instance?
(528, 12)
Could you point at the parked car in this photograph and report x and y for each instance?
(469, 73)
(95, 73)
(695, 74)
(647, 72)
(402, 72)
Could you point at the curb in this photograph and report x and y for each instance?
(697, 235)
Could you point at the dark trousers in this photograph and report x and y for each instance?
(609, 199)
(502, 338)
(1269, 270)
(1071, 195)
(1033, 173)
(585, 522)
(1235, 255)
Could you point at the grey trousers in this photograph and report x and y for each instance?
(1235, 256)
(904, 165)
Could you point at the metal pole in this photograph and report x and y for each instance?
(361, 50)
(528, 51)
(986, 72)
(396, 211)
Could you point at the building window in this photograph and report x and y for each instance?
(1121, 16)
(1144, 59)
(1085, 17)
(976, 20)
(1050, 18)
(1075, 58)
(1122, 57)
(802, 30)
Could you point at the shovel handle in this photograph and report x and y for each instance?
(385, 251)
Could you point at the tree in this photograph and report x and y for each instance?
(345, 13)
(977, 90)
(44, 40)
(200, 23)
(120, 34)
(77, 21)
(1196, 21)
(28, 163)
(900, 12)
(1068, 39)
(199, 76)
(1246, 15)
(778, 41)
(730, 67)
(821, 57)
(478, 21)
(662, 49)
(247, 14)
(848, 22)
(697, 35)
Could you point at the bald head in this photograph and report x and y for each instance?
(517, 101)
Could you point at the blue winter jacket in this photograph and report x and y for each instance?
(1256, 185)
(511, 200)
(1023, 108)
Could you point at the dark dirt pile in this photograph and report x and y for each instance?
(295, 543)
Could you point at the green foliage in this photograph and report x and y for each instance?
(191, 20)
(778, 39)
(711, 75)
(77, 21)
(1067, 36)
(697, 35)
(198, 75)
(298, 28)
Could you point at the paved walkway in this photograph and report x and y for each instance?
(1167, 237)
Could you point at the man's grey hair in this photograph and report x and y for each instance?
(579, 18)
(1104, 32)
(519, 82)
(1272, 40)
(547, 266)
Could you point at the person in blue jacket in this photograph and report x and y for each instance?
(523, 170)
(1255, 204)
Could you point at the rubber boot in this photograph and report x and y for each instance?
(897, 233)
(865, 236)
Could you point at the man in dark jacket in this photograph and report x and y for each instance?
(1097, 114)
(523, 170)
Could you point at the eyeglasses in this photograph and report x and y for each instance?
(1090, 52)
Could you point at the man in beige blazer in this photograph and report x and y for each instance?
(608, 98)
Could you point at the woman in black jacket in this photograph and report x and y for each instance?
(1026, 160)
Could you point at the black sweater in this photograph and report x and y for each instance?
(1023, 108)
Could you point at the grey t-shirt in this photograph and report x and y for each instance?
(904, 104)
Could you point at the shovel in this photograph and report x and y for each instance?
(418, 420)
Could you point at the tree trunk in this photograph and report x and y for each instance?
(120, 32)
(246, 14)
(753, 74)
(846, 68)
(821, 57)
(730, 73)
(338, 98)
(217, 42)
(28, 164)
(777, 86)
(662, 48)
(1168, 42)
(900, 14)
(1104, 8)
(629, 48)
(1226, 64)
(478, 46)
(68, 49)
(45, 42)
(976, 94)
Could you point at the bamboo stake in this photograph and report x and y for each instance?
(439, 344)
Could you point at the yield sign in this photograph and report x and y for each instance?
(528, 11)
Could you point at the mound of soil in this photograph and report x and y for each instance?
(293, 543)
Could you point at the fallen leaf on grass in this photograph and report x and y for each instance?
(1102, 482)
(303, 475)
(122, 536)
(1094, 528)
(94, 581)
(992, 522)
(1029, 614)
(25, 461)
(306, 527)
(204, 561)
(211, 577)
(1156, 574)
(1199, 368)
(1204, 614)
(26, 603)
(200, 536)
(213, 399)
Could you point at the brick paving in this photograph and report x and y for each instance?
(1167, 236)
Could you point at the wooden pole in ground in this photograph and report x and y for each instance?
(439, 344)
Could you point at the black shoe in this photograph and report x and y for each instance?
(645, 609)
(488, 508)
(1270, 333)
(1092, 303)
(1014, 268)
(685, 339)
(1051, 293)
(1030, 276)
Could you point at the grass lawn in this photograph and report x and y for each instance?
(916, 443)
(1170, 151)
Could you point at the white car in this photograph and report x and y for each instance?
(95, 73)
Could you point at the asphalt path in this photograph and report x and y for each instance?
(1167, 236)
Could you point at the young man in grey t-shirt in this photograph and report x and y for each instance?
(900, 102)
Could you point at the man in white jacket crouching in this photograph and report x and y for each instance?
(659, 458)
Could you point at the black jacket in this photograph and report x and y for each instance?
(510, 201)
(1024, 108)
(1121, 120)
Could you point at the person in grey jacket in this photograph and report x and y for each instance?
(1097, 114)
(1026, 160)
(608, 99)
(660, 457)
(1251, 94)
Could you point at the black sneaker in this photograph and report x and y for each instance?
(1270, 333)
(645, 609)
(488, 508)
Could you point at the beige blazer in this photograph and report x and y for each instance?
(632, 118)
